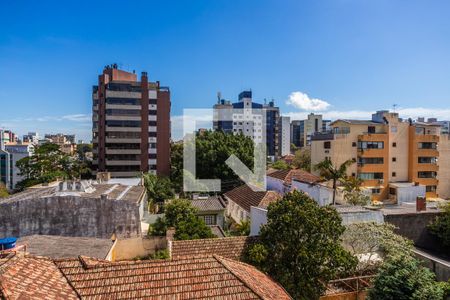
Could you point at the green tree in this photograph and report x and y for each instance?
(302, 159)
(242, 228)
(280, 165)
(441, 226)
(212, 149)
(401, 276)
(181, 215)
(158, 188)
(330, 172)
(3, 191)
(300, 246)
(48, 163)
(352, 191)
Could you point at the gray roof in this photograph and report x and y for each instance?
(217, 231)
(95, 190)
(62, 247)
(212, 203)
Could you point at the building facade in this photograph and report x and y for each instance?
(131, 124)
(16, 152)
(285, 135)
(302, 130)
(385, 149)
(260, 122)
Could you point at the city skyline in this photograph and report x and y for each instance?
(343, 59)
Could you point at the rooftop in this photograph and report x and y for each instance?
(85, 189)
(229, 247)
(245, 197)
(86, 278)
(357, 122)
(294, 174)
(63, 247)
(212, 203)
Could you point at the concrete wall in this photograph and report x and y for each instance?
(236, 212)
(69, 216)
(414, 227)
(274, 184)
(361, 217)
(321, 194)
(440, 267)
(126, 249)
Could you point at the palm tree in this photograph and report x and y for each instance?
(331, 172)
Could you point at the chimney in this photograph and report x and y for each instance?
(421, 204)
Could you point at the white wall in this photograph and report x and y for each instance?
(274, 184)
(410, 194)
(285, 136)
(258, 217)
(321, 194)
(236, 212)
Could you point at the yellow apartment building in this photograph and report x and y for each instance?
(391, 155)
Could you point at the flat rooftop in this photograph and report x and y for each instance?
(64, 247)
(408, 208)
(86, 189)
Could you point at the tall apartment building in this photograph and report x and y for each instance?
(285, 135)
(389, 153)
(15, 153)
(251, 119)
(31, 137)
(131, 124)
(302, 130)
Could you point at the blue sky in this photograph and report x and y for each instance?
(344, 58)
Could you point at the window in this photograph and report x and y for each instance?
(327, 145)
(210, 219)
(394, 144)
(427, 145)
(371, 129)
(394, 129)
(376, 191)
(430, 188)
(370, 145)
(394, 159)
(370, 160)
(392, 191)
(370, 176)
(353, 144)
(426, 160)
(426, 174)
(394, 174)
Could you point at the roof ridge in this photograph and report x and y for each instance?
(220, 259)
(211, 239)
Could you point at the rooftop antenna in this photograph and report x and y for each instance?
(219, 97)
(394, 107)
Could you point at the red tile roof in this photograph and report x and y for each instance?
(33, 278)
(229, 247)
(245, 197)
(187, 278)
(296, 174)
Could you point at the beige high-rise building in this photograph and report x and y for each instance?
(396, 159)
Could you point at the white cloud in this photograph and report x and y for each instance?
(302, 101)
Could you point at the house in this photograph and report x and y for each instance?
(211, 209)
(229, 247)
(284, 181)
(240, 199)
(212, 276)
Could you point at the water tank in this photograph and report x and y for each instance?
(8, 243)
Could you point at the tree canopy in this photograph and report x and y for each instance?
(212, 149)
(46, 164)
(352, 191)
(158, 188)
(334, 173)
(181, 215)
(441, 226)
(300, 246)
(302, 159)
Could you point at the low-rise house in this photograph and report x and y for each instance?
(83, 208)
(205, 277)
(211, 209)
(240, 199)
(284, 181)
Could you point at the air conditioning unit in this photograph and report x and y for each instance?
(381, 181)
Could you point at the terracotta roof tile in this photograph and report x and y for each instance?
(254, 279)
(33, 278)
(229, 247)
(245, 197)
(296, 174)
(212, 203)
(186, 278)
